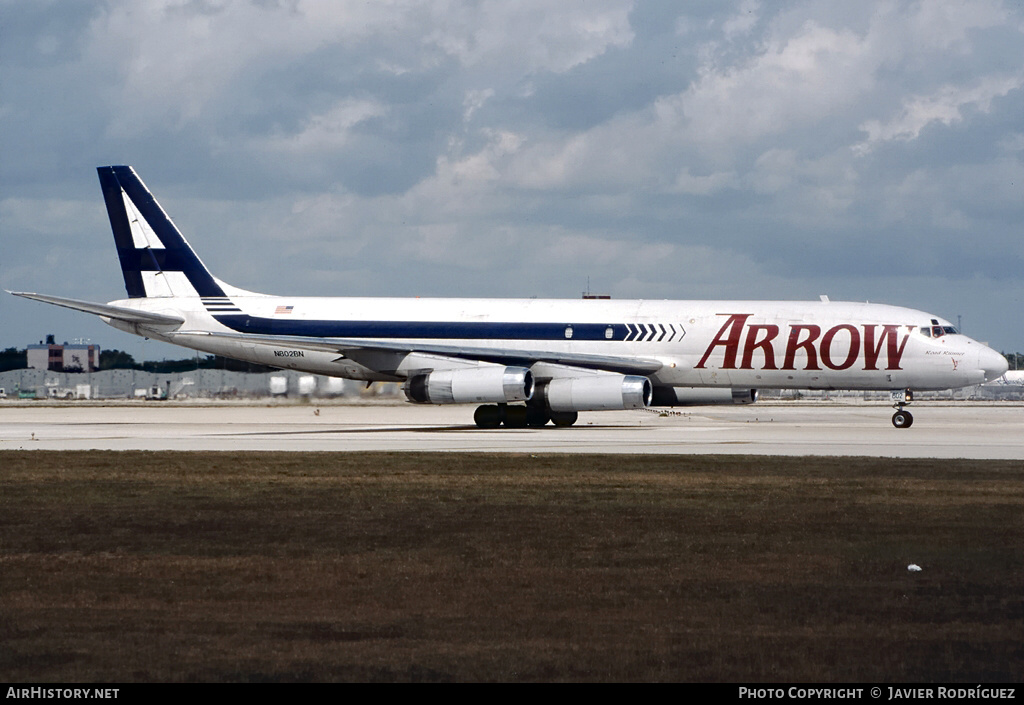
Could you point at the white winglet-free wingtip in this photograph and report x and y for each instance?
(117, 312)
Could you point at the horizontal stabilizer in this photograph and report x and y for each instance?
(117, 312)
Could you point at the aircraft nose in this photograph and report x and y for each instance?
(992, 363)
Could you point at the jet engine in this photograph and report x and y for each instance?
(597, 393)
(493, 383)
(702, 396)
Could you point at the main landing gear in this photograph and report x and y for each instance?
(902, 419)
(520, 416)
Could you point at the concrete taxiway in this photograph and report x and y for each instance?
(941, 430)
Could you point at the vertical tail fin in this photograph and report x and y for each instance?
(156, 260)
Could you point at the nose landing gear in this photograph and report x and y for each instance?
(902, 419)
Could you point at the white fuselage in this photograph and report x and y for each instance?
(739, 344)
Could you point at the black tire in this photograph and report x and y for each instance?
(536, 417)
(902, 419)
(515, 417)
(564, 418)
(488, 416)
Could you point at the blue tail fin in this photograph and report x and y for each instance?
(156, 261)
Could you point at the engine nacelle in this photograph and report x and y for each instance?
(598, 393)
(492, 383)
(702, 396)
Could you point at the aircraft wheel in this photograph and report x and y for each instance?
(564, 418)
(516, 417)
(902, 419)
(536, 417)
(488, 416)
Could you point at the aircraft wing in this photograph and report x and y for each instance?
(524, 358)
(120, 313)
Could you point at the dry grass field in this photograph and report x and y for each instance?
(172, 566)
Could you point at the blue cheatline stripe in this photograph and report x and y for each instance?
(458, 330)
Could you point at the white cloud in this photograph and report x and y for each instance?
(741, 23)
(703, 185)
(529, 35)
(326, 131)
(792, 81)
(947, 25)
(484, 165)
(475, 100)
(174, 58)
(947, 107)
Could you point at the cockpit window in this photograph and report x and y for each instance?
(938, 331)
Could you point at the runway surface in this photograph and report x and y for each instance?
(941, 430)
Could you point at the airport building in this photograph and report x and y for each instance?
(76, 357)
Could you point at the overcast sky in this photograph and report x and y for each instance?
(691, 150)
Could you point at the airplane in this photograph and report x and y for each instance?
(528, 362)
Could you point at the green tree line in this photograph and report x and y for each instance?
(1016, 360)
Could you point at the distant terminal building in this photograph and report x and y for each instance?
(77, 357)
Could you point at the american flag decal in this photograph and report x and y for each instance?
(283, 309)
